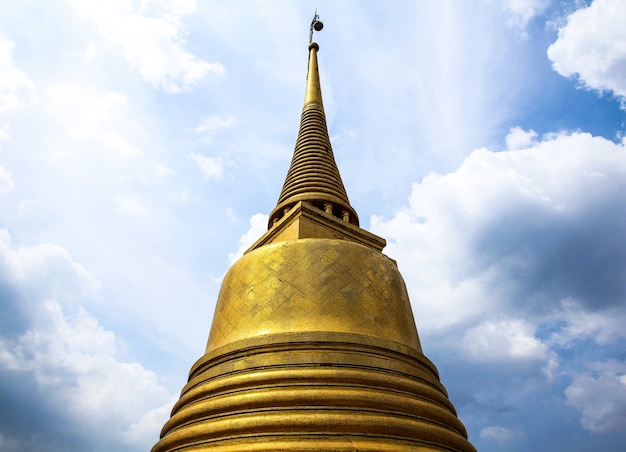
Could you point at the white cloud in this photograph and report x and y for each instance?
(499, 434)
(73, 360)
(491, 251)
(45, 270)
(15, 87)
(150, 36)
(70, 354)
(258, 227)
(519, 138)
(591, 46)
(522, 11)
(511, 262)
(143, 431)
(481, 227)
(503, 340)
(603, 327)
(551, 366)
(601, 400)
(211, 167)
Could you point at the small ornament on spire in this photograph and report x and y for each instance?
(315, 25)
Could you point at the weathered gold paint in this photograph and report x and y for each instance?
(313, 345)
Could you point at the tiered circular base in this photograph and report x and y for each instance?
(314, 391)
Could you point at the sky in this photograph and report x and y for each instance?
(144, 142)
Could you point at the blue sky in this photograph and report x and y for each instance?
(143, 143)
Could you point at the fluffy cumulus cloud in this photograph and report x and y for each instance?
(519, 138)
(151, 38)
(519, 254)
(504, 339)
(258, 227)
(50, 338)
(535, 225)
(602, 327)
(591, 46)
(600, 394)
(72, 358)
(39, 270)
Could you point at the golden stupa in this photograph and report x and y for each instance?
(313, 345)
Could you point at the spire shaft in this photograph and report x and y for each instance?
(313, 88)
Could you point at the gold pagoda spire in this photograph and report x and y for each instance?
(313, 345)
(313, 176)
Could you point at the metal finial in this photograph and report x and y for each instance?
(315, 25)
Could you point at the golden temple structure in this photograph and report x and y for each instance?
(313, 345)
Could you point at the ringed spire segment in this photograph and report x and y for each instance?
(313, 176)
